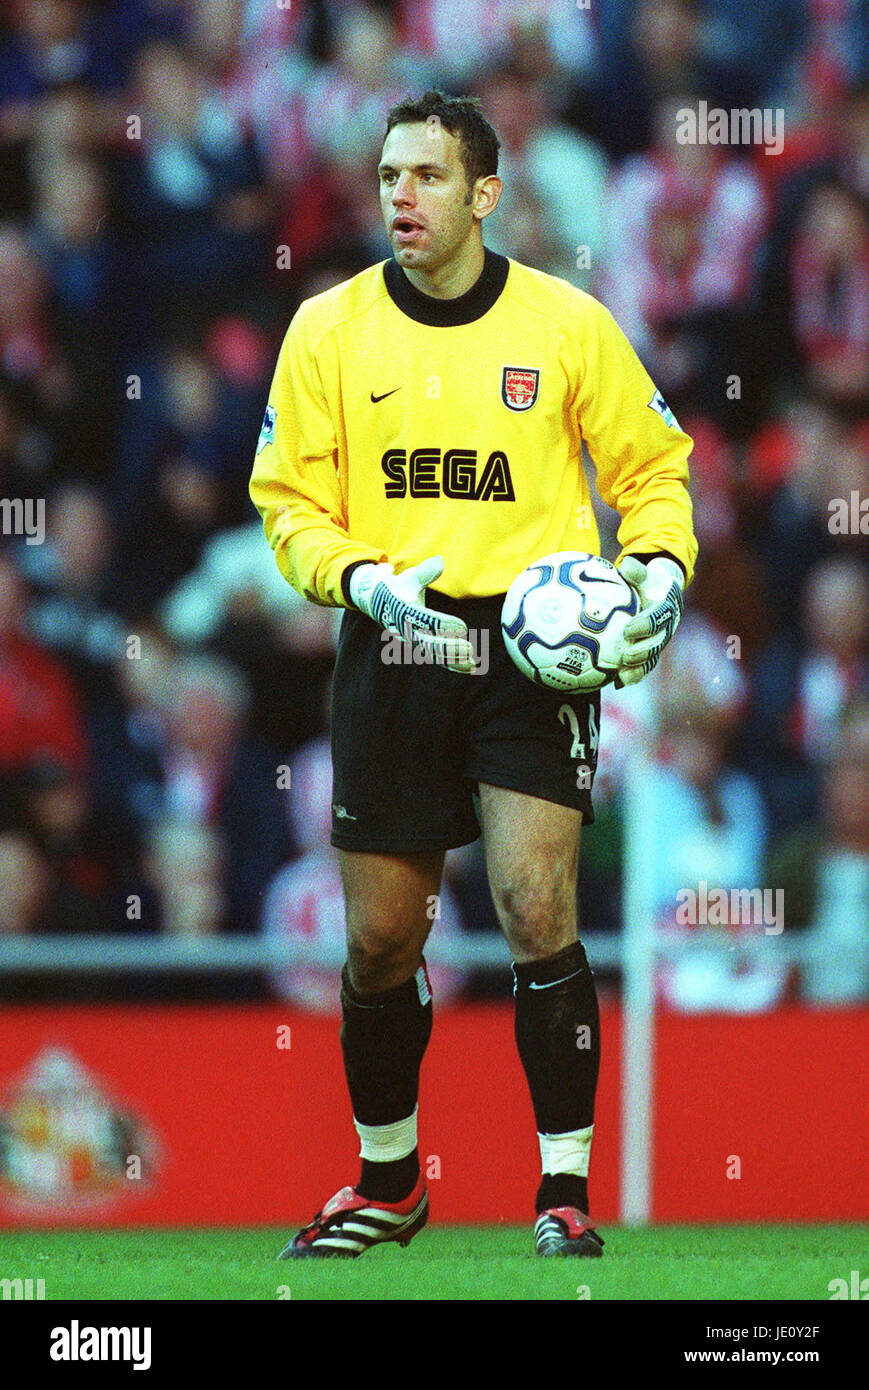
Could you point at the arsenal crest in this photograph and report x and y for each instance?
(519, 387)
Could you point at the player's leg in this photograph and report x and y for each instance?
(386, 1024)
(532, 852)
(386, 1009)
(400, 800)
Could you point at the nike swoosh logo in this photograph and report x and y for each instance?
(375, 399)
(562, 981)
(596, 579)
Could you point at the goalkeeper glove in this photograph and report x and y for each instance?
(397, 603)
(659, 586)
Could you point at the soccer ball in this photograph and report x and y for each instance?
(563, 620)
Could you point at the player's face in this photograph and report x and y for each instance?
(427, 205)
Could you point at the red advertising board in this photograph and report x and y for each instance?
(223, 1116)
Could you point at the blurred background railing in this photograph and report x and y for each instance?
(59, 955)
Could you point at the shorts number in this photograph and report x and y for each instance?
(577, 747)
(593, 733)
(567, 714)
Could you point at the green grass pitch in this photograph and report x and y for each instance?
(442, 1263)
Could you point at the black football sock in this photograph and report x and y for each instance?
(558, 1037)
(562, 1190)
(389, 1182)
(384, 1038)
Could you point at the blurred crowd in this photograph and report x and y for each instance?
(175, 177)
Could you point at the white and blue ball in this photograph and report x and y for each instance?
(564, 618)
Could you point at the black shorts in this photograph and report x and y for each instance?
(410, 742)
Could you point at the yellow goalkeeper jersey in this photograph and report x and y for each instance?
(401, 426)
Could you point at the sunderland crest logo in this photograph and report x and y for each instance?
(519, 387)
(66, 1143)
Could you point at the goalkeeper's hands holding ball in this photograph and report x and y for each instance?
(659, 583)
(397, 603)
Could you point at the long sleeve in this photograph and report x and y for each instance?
(298, 483)
(639, 451)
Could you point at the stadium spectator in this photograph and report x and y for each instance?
(69, 123)
(25, 449)
(91, 854)
(812, 273)
(128, 729)
(730, 588)
(232, 576)
(72, 231)
(802, 684)
(710, 832)
(464, 37)
(29, 353)
(704, 675)
(39, 711)
(32, 900)
(53, 43)
(349, 97)
(185, 868)
(71, 208)
(56, 379)
(288, 660)
(25, 885)
(552, 176)
(822, 869)
(178, 457)
(188, 758)
(263, 83)
(649, 50)
(805, 466)
(829, 268)
(71, 607)
(683, 222)
(194, 190)
(791, 53)
(237, 604)
(832, 52)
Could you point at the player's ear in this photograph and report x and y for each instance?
(487, 191)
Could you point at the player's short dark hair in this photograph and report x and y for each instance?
(463, 118)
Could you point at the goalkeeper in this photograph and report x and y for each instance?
(421, 445)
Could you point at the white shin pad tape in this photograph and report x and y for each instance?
(566, 1153)
(387, 1143)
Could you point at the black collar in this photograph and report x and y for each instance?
(448, 313)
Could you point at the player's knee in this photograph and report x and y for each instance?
(377, 958)
(538, 916)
